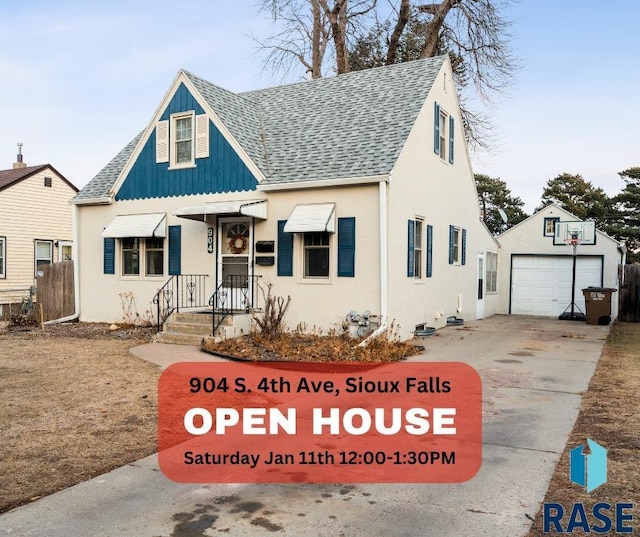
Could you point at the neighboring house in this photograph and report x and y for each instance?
(351, 193)
(36, 225)
(536, 266)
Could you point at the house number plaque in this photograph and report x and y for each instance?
(210, 240)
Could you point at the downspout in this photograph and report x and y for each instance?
(76, 271)
(384, 266)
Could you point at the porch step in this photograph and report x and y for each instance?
(199, 318)
(189, 328)
(178, 339)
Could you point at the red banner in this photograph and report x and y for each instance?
(282, 422)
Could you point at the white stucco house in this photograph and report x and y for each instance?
(350, 193)
(36, 226)
(536, 266)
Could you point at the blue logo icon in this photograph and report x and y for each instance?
(590, 470)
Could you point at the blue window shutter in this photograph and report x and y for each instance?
(347, 247)
(436, 129)
(410, 248)
(451, 231)
(109, 255)
(429, 251)
(285, 250)
(175, 249)
(463, 258)
(450, 139)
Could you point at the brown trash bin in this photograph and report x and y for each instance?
(598, 303)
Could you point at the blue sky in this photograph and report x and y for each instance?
(80, 79)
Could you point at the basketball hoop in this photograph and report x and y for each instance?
(573, 241)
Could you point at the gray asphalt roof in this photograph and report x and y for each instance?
(352, 125)
(100, 185)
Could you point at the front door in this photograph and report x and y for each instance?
(480, 302)
(234, 255)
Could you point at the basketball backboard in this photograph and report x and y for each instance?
(584, 231)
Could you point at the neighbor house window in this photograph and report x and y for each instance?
(3, 257)
(417, 250)
(550, 226)
(492, 272)
(65, 251)
(142, 256)
(48, 182)
(43, 255)
(316, 255)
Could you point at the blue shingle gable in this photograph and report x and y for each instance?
(221, 171)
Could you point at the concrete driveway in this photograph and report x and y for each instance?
(534, 372)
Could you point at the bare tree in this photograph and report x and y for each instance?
(359, 34)
(303, 38)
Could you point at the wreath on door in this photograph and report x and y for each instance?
(237, 238)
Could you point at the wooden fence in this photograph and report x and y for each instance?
(629, 294)
(56, 297)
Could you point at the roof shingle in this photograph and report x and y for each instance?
(352, 125)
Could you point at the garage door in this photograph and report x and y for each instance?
(541, 285)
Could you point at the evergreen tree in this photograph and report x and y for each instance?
(493, 194)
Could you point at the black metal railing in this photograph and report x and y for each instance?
(235, 294)
(181, 291)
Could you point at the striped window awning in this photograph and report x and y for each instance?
(137, 225)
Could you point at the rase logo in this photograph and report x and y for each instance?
(590, 470)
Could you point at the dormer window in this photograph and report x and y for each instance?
(182, 139)
(443, 132)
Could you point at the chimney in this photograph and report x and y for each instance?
(19, 163)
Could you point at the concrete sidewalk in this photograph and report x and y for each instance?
(534, 372)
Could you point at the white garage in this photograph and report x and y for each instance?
(541, 285)
(535, 265)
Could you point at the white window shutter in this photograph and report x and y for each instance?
(202, 136)
(162, 141)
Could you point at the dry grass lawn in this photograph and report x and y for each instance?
(609, 415)
(71, 408)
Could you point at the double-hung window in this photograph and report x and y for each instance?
(417, 250)
(3, 257)
(43, 255)
(316, 254)
(142, 256)
(154, 261)
(442, 130)
(456, 245)
(443, 134)
(183, 140)
(492, 272)
(130, 256)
